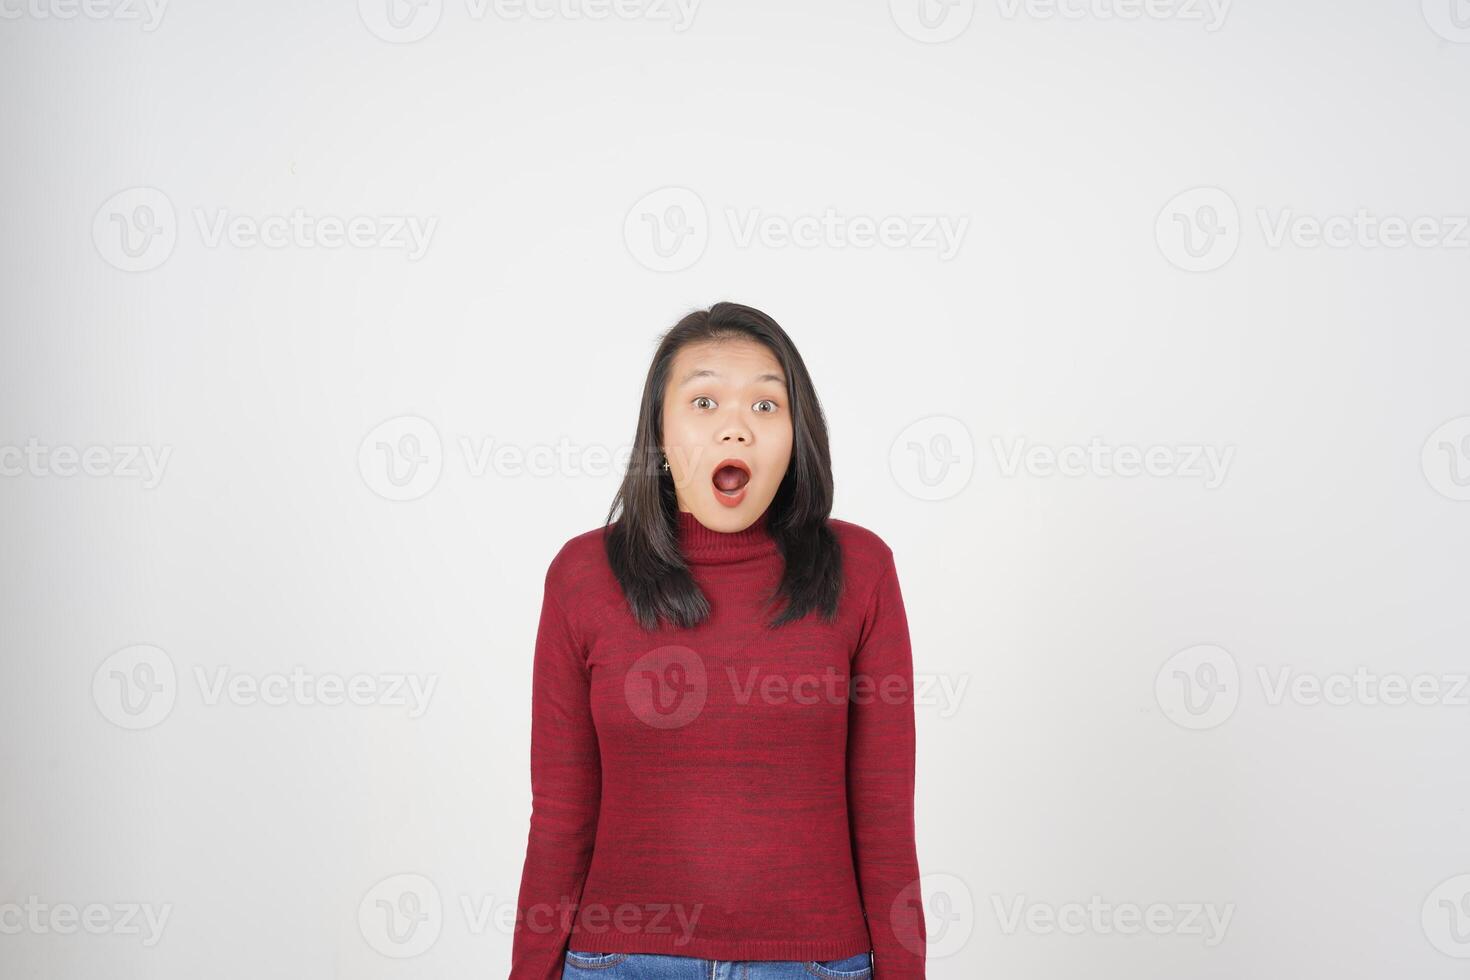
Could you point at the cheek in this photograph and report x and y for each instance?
(786, 443)
(685, 447)
(776, 464)
(676, 431)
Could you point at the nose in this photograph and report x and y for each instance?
(733, 429)
(737, 434)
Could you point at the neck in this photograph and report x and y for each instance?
(703, 546)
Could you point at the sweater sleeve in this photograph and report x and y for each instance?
(880, 784)
(566, 789)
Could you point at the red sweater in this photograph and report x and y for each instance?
(719, 792)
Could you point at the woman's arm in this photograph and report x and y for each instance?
(880, 784)
(566, 788)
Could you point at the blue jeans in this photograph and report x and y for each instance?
(656, 966)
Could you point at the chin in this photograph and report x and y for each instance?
(717, 517)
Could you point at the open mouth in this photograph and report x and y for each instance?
(731, 476)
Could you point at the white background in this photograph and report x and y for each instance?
(1088, 156)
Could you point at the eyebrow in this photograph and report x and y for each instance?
(707, 373)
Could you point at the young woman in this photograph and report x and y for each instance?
(722, 734)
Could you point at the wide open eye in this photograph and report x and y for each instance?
(704, 398)
(765, 411)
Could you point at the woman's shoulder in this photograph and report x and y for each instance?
(861, 543)
(579, 559)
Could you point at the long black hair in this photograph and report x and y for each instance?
(643, 544)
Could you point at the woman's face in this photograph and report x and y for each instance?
(725, 405)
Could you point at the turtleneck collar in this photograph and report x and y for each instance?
(702, 546)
